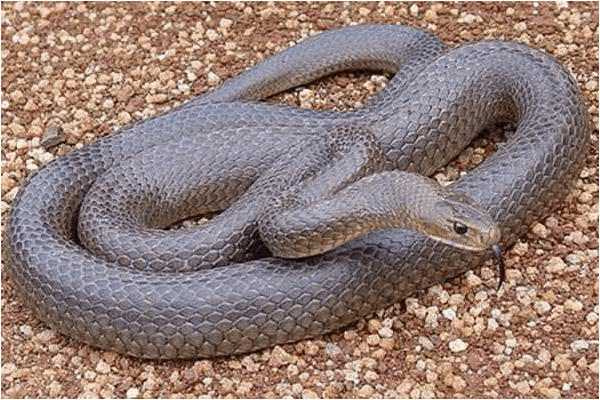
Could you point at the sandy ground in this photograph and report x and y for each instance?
(90, 68)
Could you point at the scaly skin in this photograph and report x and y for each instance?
(428, 113)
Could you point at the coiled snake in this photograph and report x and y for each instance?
(215, 290)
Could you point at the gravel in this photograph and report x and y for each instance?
(73, 72)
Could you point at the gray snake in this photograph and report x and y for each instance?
(246, 300)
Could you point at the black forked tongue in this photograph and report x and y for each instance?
(497, 251)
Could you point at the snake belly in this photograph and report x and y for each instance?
(434, 105)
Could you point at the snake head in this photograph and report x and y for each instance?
(457, 220)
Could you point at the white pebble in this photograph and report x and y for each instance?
(225, 23)
(449, 314)
(520, 27)
(469, 18)
(30, 165)
(457, 346)
(555, 265)
(542, 307)
(432, 316)
(211, 34)
(26, 330)
(579, 345)
(456, 300)
(472, 279)
(576, 237)
(520, 248)
(510, 342)
(22, 144)
(425, 343)
(414, 10)
(386, 332)
(591, 85)
(492, 324)
(591, 318)
(102, 368)
(539, 230)
(332, 349)
(90, 375)
(45, 157)
(306, 96)
(213, 79)
(132, 393)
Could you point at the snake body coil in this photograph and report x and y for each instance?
(436, 103)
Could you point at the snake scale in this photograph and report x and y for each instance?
(243, 299)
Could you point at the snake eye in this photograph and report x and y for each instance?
(460, 228)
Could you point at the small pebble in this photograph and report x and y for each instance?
(563, 361)
(213, 79)
(363, 11)
(449, 313)
(132, 393)
(591, 318)
(366, 391)
(472, 279)
(8, 369)
(492, 324)
(373, 340)
(386, 344)
(520, 27)
(227, 385)
(332, 349)
(55, 389)
(52, 137)
(520, 248)
(309, 394)
(279, 357)
(539, 230)
(576, 237)
(373, 325)
(26, 330)
(244, 388)
(414, 10)
(523, 387)
(468, 19)
(573, 305)
(249, 364)
(225, 23)
(102, 367)
(386, 332)
(212, 35)
(425, 343)
(311, 348)
(458, 346)
(542, 307)
(555, 265)
(579, 345)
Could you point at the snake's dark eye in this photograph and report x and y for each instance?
(460, 228)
